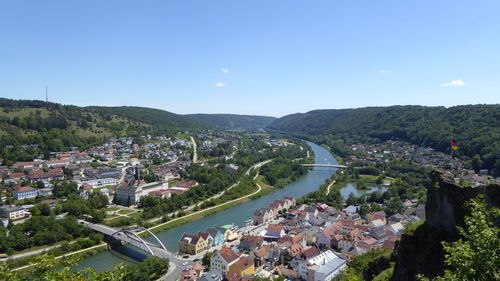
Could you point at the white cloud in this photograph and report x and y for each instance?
(220, 84)
(384, 71)
(224, 70)
(454, 83)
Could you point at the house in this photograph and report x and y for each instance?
(291, 252)
(230, 233)
(223, 259)
(188, 274)
(368, 243)
(310, 253)
(38, 175)
(212, 275)
(260, 255)
(380, 215)
(396, 218)
(85, 190)
(27, 165)
(396, 228)
(351, 209)
(274, 232)
(323, 267)
(262, 216)
(208, 238)
(46, 191)
(12, 212)
(58, 163)
(232, 167)
(14, 178)
(56, 174)
(192, 244)
(295, 239)
(376, 223)
(217, 235)
(241, 268)
(329, 237)
(191, 273)
(378, 233)
(248, 242)
(24, 192)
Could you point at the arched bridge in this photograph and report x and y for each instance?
(325, 165)
(132, 238)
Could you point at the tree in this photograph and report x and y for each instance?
(351, 200)
(47, 268)
(476, 163)
(394, 205)
(206, 260)
(476, 255)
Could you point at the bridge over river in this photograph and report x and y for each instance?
(325, 165)
(132, 237)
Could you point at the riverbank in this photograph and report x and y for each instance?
(235, 212)
(84, 253)
(200, 214)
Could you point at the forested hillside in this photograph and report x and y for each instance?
(475, 127)
(234, 121)
(30, 129)
(159, 119)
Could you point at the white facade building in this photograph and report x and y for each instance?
(323, 267)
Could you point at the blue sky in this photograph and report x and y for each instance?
(251, 57)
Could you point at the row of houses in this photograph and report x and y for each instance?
(213, 237)
(265, 215)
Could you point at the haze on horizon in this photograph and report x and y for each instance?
(258, 57)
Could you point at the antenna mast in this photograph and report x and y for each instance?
(46, 94)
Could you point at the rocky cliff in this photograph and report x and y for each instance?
(421, 252)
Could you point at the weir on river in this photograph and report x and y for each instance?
(236, 215)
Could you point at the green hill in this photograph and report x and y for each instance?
(475, 127)
(31, 128)
(234, 121)
(159, 120)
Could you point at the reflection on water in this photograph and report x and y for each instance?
(351, 188)
(238, 214)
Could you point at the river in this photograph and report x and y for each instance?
(236, 215)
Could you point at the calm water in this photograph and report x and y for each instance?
(237, 215)
(351, 188)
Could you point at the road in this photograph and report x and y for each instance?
(328, 187)
(195, 153)
(189, 208)
(34, 252)
(176, 262)
(178, 265)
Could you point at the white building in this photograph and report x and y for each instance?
(221, 260)
(323, 267)
(12, 212)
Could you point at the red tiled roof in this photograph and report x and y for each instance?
(262, 252)
(24, 188)
(310, 253)
(17, 175)
(242, 264)
(228, 254)
(275, 227)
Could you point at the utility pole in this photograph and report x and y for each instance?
(46, 94)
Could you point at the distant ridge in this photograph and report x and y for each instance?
(234, 121)
(475, 127)
(33, 128)
(157, 118)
